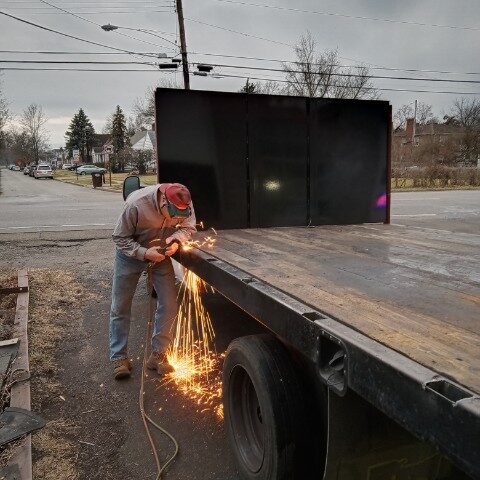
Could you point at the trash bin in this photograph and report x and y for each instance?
(96, 180)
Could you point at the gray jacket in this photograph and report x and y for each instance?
(142, 221)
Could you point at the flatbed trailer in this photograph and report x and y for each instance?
(371, 367)
(398, 306)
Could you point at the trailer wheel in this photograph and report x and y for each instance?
(264, 409)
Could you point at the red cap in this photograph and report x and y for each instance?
(177, 194)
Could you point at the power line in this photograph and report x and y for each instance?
(143, 2)
(356, 17)
(224, 76)
(92, 6)
(67, 35)
(65, 52)
(77, 62)
(355, 75)
(55, 69)
(104, 12)
(365, 88)
(398, 69)
(98, 24)
(153, 54)
(377, 77)
(238, 33)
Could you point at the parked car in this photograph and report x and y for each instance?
(67, 166)
(16, 168)
(87, 169)
(26, 170)
(43, 171)
(32, 168)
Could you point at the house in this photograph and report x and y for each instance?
(56, 157)
(440, 138)
(145, 141)
(102, 148)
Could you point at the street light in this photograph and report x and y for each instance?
(109, 28)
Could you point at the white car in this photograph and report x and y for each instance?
(67, 166)
(88, 169)
(43, 171)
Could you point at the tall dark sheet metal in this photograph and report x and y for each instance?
(277, 153)
(268, 161)
(348, 161)
(201, 142)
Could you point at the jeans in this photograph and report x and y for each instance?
(127, 271)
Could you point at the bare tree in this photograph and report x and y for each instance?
(4, 116)
(466, 112)
(144, 108)
(33, 122)
(401, 115)
(107, 128)
(269, 87)
(316, 74)
(17, 146)
(424, 114)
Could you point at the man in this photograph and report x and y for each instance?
(162, 215)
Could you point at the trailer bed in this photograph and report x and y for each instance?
(415, 290)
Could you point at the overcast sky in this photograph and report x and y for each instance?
(374, 42)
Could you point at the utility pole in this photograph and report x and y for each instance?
(183, 44)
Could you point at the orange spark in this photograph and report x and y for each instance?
(192, 354)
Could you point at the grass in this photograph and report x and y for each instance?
(409, 184)
(8, 278)
(54, 295)
(117, 179)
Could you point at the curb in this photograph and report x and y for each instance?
(436, 189)
(20, 392)
(102, 189)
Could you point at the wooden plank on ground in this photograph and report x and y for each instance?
(20, 393)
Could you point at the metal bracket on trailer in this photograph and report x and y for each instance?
(430, 406)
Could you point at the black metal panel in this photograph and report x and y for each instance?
(201, 142)
(277, 149)
(348, 158)
(263, 161)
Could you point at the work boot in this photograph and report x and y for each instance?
(122, 368)
(159, 362)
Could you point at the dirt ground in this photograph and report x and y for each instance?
(94, 428)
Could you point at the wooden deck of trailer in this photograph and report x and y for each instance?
(414, 290)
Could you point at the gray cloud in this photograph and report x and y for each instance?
(378, 43)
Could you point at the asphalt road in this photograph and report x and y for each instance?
(31, 205)
(452, 210)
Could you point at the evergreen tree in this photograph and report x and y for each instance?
(80, 136)
(249, 87)
(120, 138)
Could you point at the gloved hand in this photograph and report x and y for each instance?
(172, 246)
(153, 255)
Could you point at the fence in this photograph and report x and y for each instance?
(435, 176)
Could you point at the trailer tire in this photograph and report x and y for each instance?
(264, 409)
